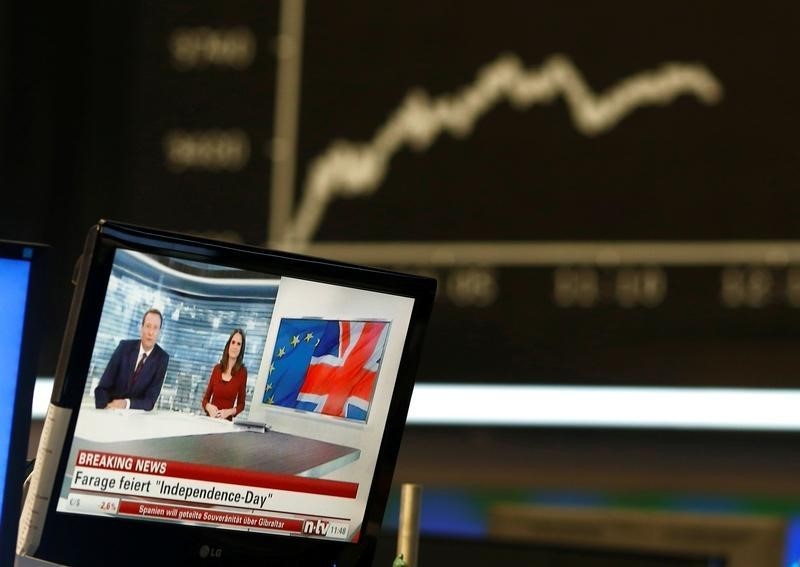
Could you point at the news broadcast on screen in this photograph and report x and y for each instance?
(259, 404)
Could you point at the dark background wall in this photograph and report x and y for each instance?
(149, 113)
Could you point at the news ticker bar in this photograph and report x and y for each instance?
(88, 503)
(746, 409)
(120, 475)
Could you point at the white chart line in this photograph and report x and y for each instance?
(348, 168)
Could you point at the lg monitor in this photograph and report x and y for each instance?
(223, 402)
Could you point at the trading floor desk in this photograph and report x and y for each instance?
(203, 440)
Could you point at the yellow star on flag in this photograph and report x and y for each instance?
(309, 336)
(295, 340)
(281, 352)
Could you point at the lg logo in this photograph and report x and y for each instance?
(207, 551)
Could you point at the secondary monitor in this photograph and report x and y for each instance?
(20, 276)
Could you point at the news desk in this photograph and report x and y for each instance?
(203, 440)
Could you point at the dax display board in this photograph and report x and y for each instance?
(568, 122)
(567, 172)
(450, 138)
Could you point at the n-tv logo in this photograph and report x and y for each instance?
(318, 527)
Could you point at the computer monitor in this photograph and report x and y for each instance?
(224, 403)
(20, 275)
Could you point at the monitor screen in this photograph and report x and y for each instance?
(316, 368)
(13, 295)
(227, 396)
(16, 352)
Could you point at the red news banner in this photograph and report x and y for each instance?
(185, 514)
(115, 475)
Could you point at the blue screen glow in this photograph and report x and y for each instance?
(13, 294)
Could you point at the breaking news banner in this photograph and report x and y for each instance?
(99, 461)
(101, 481)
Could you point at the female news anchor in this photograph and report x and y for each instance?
(224, 397)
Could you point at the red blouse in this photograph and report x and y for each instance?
(223, 394)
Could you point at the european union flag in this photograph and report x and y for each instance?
(294, 347)
(326, 367)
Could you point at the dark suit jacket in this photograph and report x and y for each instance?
(116, 381)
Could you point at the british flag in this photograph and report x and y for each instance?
(326, 366)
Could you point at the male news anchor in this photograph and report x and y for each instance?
(134, 375)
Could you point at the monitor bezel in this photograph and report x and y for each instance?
(75, 539)
(35, 255)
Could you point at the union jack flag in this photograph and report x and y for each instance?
(326, 366)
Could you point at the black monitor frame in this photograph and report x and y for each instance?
(88, 540)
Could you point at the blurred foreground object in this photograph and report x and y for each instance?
(739, 541)
(408, 524)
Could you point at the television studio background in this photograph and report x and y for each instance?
(606, 193)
